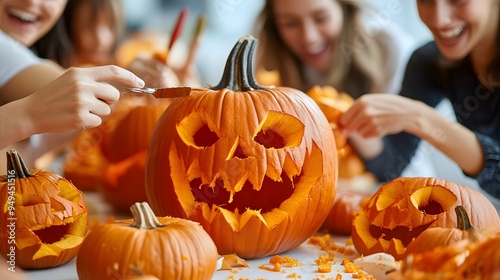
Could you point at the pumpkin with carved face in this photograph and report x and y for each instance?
(44, 218)
(255, 166)
(402, 209)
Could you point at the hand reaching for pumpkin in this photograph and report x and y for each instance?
(377, 115)
(77, 99)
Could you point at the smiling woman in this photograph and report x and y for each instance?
(331, 42)
(28, 21)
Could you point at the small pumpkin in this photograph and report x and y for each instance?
(403, 208)
(43, 213)
(347, 202)
(126, 148)
(162, 247)
(255, 166)
(434, 237)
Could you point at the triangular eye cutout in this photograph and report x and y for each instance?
(198, 130)
(279, 130)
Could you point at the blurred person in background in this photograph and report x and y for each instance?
(461, 64)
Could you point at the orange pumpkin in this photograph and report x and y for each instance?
(402, 209)
(163, 247)
(126, 149)
(255, 166)
(43, 213)
(347, 203)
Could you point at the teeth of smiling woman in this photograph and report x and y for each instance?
(316, 50)
(452, 33)
(22, 15)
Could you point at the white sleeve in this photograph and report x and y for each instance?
(14, 57)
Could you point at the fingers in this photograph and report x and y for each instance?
(114, 74)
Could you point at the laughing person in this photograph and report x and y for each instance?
(462, 64)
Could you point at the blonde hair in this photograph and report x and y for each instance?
(358, 56)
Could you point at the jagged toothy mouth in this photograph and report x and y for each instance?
(269, 197)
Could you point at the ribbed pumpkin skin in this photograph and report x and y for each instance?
(416, 204)
(50, 218)
(253, 200)
(347, 203)
(179, 250)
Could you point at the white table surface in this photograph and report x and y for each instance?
(305, 253)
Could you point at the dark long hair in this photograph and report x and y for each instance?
(57, 44)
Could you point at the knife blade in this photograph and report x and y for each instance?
(169, 92)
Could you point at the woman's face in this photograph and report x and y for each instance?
(29, 20)
(94, 35)
(310, 29)
(460, 26)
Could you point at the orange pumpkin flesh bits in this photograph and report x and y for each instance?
(48, 220)
(249, 163)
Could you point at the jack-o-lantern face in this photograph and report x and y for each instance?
(43, 213)
(256, 167)
(403, 208)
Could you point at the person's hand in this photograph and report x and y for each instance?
(154, 72)
(79, 98)
(377, 115)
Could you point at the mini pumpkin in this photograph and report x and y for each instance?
(43, 213)
(162, 247)
(255, 166)
(403, 208)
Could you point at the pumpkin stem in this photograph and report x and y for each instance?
(238, 72)
(144, 217)
(463, 221)
(16, 166)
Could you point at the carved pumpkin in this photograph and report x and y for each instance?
(402, 209)
(126, 149)
(43, 212)
(163, 247)
(250, 164)
(347, 203)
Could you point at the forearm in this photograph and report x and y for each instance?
(15, 124)
(29, 80)
(454, 140)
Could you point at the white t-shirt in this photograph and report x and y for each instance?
(14, 57)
